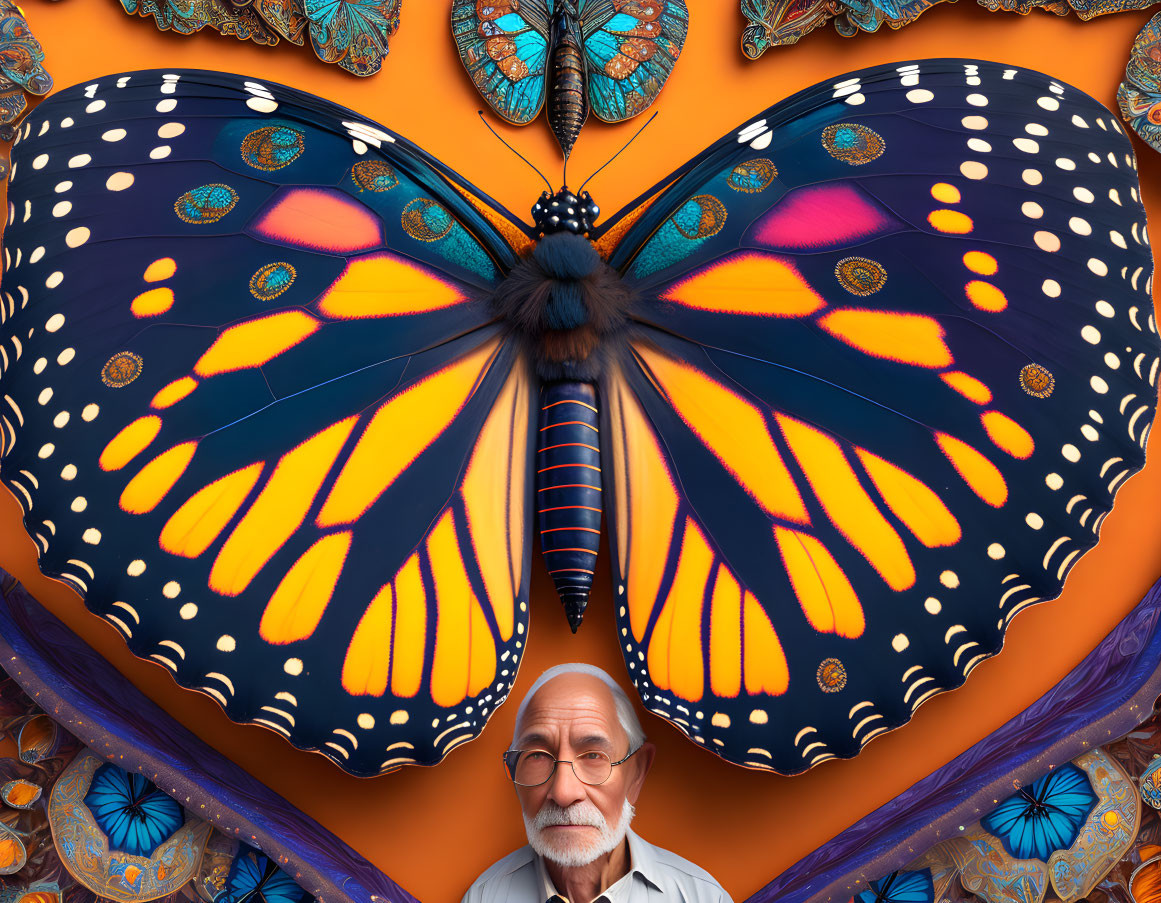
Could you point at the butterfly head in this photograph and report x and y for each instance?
(566, 302)
(565, 211)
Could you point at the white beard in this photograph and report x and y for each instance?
(581, 853)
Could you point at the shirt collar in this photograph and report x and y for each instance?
(641, 862)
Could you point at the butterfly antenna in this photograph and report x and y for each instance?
(516, 152)
(617, 154)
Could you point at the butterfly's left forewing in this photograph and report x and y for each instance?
(504, 47)
(256, 410)
(893, 354)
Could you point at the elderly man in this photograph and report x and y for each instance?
(578, 761)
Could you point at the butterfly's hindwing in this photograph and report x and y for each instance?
(895, 354)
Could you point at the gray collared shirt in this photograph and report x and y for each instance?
(655, 876)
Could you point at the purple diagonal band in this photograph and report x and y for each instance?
(87, 696)
(1102, 698)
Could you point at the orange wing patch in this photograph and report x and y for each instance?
(398, 433)
(494, 496)
(129, 442)
(760, 285)
(744, 649)
(298, 604)
(981, 475)
(195, 526)
(1008, 435)
(383, 285)
(908, 338)
(646, 506)
(827, 598)
(406, 628)
(967, 386)
(464, 661)
(847, 504)
(153, 482)
(675, 655)
(912, 501)
(279, 510)
(255, 342)
(733, 429)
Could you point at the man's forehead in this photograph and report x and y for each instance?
(577, 704)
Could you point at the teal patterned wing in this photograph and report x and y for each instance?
(1139, 95)
(504, 47)
(631, 46)
(21, 56)
(191, 16)
(352, 33)
(21, 66)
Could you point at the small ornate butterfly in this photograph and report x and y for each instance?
(607, 57)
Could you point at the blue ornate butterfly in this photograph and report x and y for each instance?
(282, 397)
(1044, 817)
(610, 57)
(900, 887)
(255, 878)
(135, 816)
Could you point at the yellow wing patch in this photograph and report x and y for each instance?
(733, 429)
(279, 510)
(646, 505)
(908, 338)
(912, 501)
(494, 496)
(297, 605)
(756, 284)
(398, 433)
(827, 598)
(384, 285)
(847, 504)
(255, 342)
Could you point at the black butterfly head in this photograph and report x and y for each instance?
(565, 212)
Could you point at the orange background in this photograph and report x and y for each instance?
(434, 830)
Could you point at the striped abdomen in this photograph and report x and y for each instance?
(568, 490)
(568, 105)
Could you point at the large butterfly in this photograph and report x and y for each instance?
(282, 396)
(610, 57)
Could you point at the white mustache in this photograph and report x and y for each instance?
(580, 813)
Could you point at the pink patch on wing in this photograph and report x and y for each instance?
(823, 216)
(320, 219)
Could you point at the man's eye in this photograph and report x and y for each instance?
(536, 756)
(591, 756)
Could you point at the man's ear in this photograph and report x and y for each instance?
(642, 761)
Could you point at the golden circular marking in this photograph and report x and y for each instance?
(831, 675)
(1037, 381)
(860, 275)
(121, 369)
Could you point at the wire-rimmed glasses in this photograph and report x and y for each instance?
(533, 767)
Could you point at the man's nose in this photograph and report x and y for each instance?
(565, 788)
